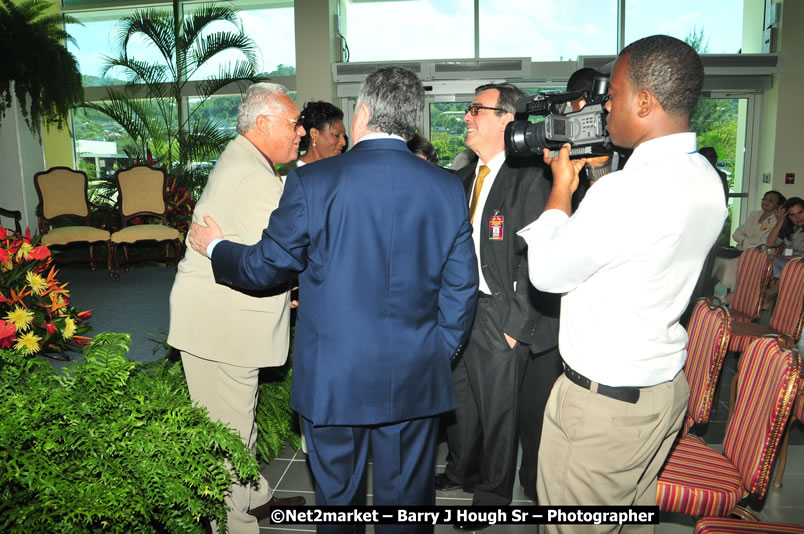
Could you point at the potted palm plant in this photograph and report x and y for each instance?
(37, 68)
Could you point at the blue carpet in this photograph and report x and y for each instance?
(138, 304)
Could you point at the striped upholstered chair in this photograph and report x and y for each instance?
(787, 318)
(754, 272)
(698, 481)
(708, 330)
(723, 525)
(796, 415)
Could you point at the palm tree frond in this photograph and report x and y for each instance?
(206, 48)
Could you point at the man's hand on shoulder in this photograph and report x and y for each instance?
(201, 236)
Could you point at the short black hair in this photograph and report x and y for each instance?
(583, 79)
(670, 69)
(780, 198)
(421, 146)
(509, 95)
(317, 115)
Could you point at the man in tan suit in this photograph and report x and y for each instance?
(224, 335)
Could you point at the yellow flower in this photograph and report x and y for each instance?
(21, 318)
(69, 328)
(28, 343)
(36, 282)
(24, 250)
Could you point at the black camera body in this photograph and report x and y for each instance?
(585, 130)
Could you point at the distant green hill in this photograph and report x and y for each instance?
(100, 81)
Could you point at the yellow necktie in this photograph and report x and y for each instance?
(481, 175)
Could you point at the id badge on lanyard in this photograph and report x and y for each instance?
(496, 227)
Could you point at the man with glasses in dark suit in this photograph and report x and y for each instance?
(515, 325)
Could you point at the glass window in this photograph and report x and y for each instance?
(96, 38)
(719, 23)
(447, 130)
(717, 121)
(274, 32)
(410, 29)
(547, 31)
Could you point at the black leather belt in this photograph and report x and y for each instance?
(622, 393)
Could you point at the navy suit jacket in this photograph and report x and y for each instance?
(388, 282)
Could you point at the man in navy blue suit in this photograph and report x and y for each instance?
(388, 284)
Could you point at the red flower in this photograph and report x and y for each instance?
(51, 328)
(4, 256)
(7, 331)
(27, 235)
(39, 253)
(84, 315)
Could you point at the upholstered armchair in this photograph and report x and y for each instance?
(754, 272)
(699, 481)
(13, 214)
(141, 195)
(708, 329)
(787, 317)
(63, 196)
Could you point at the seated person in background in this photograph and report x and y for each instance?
(422, 147)
(787, 237)
(326, 135)
(752, 233)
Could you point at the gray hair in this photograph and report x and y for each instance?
(509, 95)
(395, 99)
(259, 99)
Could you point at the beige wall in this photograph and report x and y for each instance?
(788, 128)
(317, 48)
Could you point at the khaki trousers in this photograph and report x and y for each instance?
(600, 451)
(229, 394)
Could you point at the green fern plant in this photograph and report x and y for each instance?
(276, 421)
(110, 445)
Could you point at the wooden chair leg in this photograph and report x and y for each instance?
(116, 257)
(177, 258)
(92, 256)
(125, 254)
(745, 514)
(109, 259)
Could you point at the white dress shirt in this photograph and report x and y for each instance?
(628, 260)
(479, 229)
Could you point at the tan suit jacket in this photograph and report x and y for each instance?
(213, 321)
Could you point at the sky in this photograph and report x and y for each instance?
(544, 30)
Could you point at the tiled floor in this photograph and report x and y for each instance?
(289, 475)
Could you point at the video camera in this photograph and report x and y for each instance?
(585, 130)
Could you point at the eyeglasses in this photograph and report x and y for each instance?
(474, 109)
(295, 122)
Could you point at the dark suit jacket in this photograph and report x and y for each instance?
(519, 195)
(388, 282)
